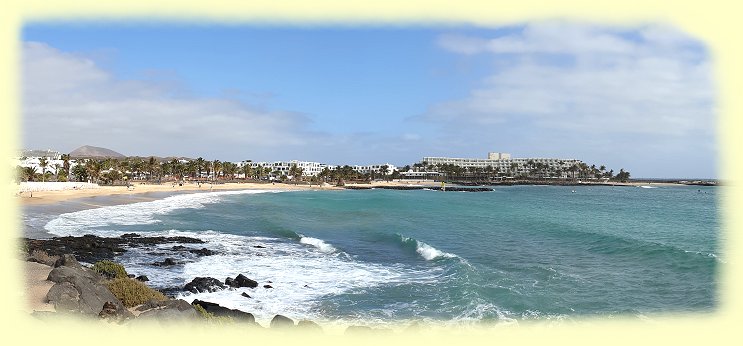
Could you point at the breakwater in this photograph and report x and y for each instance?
(437, 188)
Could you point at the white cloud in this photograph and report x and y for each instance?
(611, 84)
(634, 89)
(69, 101)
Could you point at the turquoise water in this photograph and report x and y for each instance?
(519, 252)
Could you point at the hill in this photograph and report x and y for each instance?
(87, 151)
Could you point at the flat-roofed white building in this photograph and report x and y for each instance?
(375, 168)
(282, 167)
(506, 164)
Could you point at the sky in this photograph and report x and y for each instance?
(640, 98)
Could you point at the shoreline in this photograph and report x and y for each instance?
(139, 191)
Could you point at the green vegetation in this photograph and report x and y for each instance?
(110, 270)
(132, 292)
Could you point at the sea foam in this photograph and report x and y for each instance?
(426, 251)
(318, 243)
(90, 220)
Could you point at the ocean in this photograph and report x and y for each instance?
(382, 256)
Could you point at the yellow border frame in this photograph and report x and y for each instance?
(713, 22)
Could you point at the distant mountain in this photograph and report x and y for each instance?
(91, 151)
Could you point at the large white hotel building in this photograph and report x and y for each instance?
(505, 163)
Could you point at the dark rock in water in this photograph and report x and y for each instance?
(244, 281)
(309, 325)
(267, 286)
(173, 310)
(218, 310)
(270, 282)
(206, 284)
(244, 294)
(280, 321)
(229, 282)
(167, 262)
(131, 276)
(179, 248)
(142, 278)
(91, 248)
(80, 290)
(202, 252)
(259, 246)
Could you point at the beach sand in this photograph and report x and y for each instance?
(48, 197)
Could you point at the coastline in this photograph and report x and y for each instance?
(139, 191)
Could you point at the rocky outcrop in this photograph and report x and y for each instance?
(241, 281)
(221, 311)
(80, 290)
(172, 310)
(280, 321)
(205, 284)
(111, 313)
(90, 248)
(169, 261)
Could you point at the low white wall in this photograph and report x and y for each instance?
(54, 186)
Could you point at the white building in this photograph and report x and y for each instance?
(505, 164)
(374, 168)
(282, 167)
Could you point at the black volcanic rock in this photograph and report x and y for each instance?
(91, 249)
(218, 310)
(243, 281)
(205, 284)
(166, 263)
(202, 252)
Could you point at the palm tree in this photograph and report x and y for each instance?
(56, 167)
(93, 169)
(216, 168)
(247, 170)
(199, 163)
(29, 173)
(151, 166)
(383, 171)
(175, 168)
(43, 163)
(66, 163)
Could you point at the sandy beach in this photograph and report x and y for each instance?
(47, 197)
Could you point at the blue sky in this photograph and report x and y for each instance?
(639, 98)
